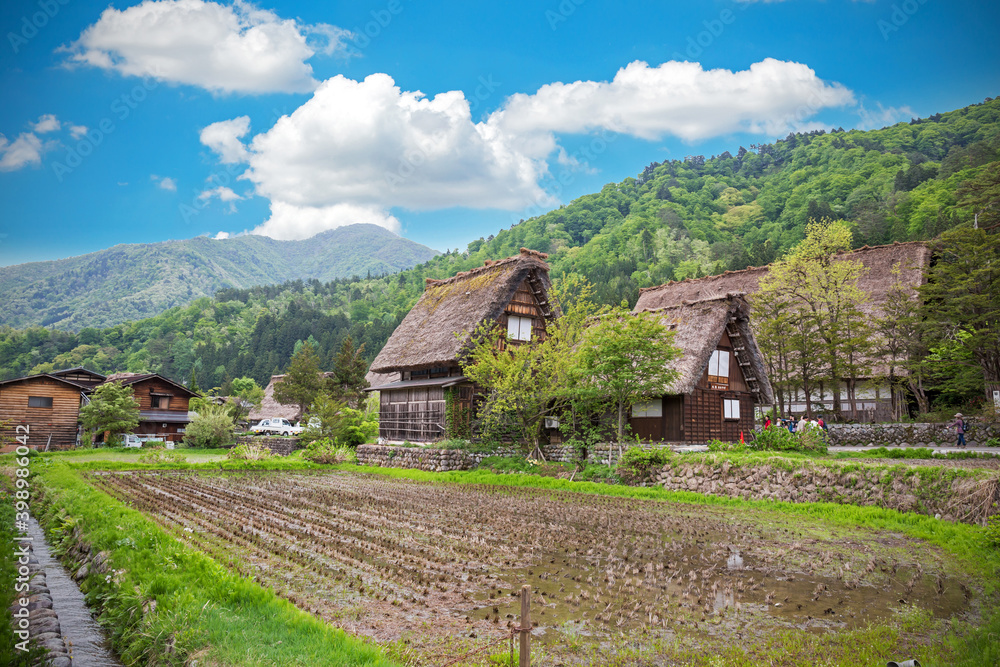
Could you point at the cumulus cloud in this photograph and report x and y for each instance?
(46, 123)
(679, 99)
(165, 182)
(77, 131)
(26, 149)
(222, 193)
(222, 48)
(221, 236)
(358, 149)
(224, 138)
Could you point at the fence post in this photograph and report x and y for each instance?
(524, 654)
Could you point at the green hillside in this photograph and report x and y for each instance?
(674, 220)
(131, 282)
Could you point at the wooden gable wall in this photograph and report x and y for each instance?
(146, 389)
(59, 421)
(524, 303)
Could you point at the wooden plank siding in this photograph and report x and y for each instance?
(525, 304)
(415, 414)
(176, 403)
(59, 421)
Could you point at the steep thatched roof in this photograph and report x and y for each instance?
(427, 336)
(698, 326)
(269, 407)
(912, 259)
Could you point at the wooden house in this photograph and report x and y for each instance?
(46, 407)
(905, 263)
(420, 362)
(721, 375)
(163, 405)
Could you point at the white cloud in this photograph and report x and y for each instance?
(222, 48)
(221, 236)
(222, 193)
(679, 99)
(46, 123)
(288, 222)
(358, 149)
(224, 138)
(26, 149)
(883, 116)
(77, 131)
(165, 182)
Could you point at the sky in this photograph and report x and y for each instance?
(441, 121)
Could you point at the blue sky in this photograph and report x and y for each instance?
(444, 121)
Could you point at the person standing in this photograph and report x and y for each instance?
(959, 425)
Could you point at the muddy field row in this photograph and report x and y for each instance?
(428, 563)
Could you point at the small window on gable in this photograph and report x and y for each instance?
(160, 402)
(653, 408)
(718, 369)
(731, 408)
(519, 328)
(39, 401)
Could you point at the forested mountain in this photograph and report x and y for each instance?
(130, 282)
(676, 219)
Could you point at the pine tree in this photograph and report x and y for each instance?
(302, 381)
(349, 368)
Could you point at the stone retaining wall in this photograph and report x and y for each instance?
(443, 460)
(909, 435)
(954, 497)
(278, 446)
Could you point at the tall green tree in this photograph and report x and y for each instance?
(246, 394)
(302, 381)
(113, 409)
(961, 300)
(348, 379)
(624, 358)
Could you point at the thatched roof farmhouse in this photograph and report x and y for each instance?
(421, 359)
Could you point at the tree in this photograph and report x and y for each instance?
(339, 423)
(961, 300)
(213, 427)
(247, 394)
(302, 381)
(348, 379)
(112, 409)
(624, 358)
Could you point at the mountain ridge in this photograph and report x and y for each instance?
(132, 281)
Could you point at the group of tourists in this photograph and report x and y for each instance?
(797, 426)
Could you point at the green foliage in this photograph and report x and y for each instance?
(637, 463)
(992, 531)
(327, 451)
(302, 382)
(777, 439)
(340, 424)
(213, 427)
(347, 381)
(247, 395)
(161, 456)
(112, 409)
(249, 452)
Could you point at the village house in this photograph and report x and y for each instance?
(420, 362)
(48, 405)
(721, 375)
(874, 399)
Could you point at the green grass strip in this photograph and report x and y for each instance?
(202, 611)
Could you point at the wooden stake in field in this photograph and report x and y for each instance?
(524, 654)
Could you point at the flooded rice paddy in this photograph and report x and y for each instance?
(437, 567)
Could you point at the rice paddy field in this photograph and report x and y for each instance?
(432, 570)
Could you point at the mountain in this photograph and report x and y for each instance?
(676, 219)
(135, 281)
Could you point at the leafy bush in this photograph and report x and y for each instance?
(162, 456)
(250, 452)
(637, 463)
(328, 452)
(213, 427)
(341, 424)
(993, 530)
(811, 440)
(154, 444)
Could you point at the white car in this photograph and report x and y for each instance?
(132, 440)
(276, 426)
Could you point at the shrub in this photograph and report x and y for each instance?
(811, 440)
(162, 456)
(250, 452)
(637, 463)
(213, 427)
(328, 452)
(154, 444)
(341, 424)
(993, 530)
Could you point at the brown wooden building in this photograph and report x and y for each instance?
(163, 405)
(420, 362)
(721, 375)
(46, 407)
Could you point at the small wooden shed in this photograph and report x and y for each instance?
(721, 375)
(45, 408)
(420, 362)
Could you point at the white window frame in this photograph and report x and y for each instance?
(651, 408)
(718, 364)
(519, 328)
(731, 408)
